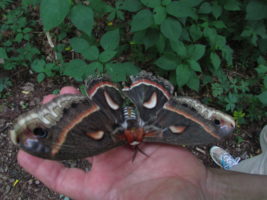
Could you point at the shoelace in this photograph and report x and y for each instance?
(227, 161)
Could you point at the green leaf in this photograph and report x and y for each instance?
(167, 62)
(179, 48)
(195, 32)
(194, 65)
(263, 97)
(181, 9)
(256, 10)
(161, 43)
(76, 69)
(165, 2)
(217, 89)
(261, 69)
(265, 82)
(81, 46)
(151, 4)
(3, 54)
(92, 53)
(151, 37)
(38, 65)
(110, 40)
(142, 20)
(183, 74)
(196, 51)
(53, 12)
(40, 77)
(232, 5)
(194, 82)
(119, 71)
(159, 14)
(215, 60)
(106, 55)
(171, 29)
(83, 18)
(95, 68)
(216, 9)
(205, 8)
(131, 5)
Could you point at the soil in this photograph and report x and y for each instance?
(26, 93)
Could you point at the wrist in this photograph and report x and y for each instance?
(221, 184)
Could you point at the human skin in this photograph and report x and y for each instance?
(168, 172)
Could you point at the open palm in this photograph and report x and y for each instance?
(166, 173)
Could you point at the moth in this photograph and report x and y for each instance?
(75, 126)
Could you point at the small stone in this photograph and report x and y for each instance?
(7, 189)
(37, 182)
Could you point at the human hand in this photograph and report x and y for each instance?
(167, 172)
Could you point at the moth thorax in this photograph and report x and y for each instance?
(129, 113)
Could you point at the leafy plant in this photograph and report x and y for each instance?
(216, 47)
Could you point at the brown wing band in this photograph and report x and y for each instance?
(202, 124)
(63, 135)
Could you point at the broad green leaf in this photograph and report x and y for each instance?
(165, 2)
(183, 74)
(106, 55)
(171, 29)
(179, 48)
(100, 7)
(227, 54)
(261, 69)
(151, 4)
(161, 43)
(142, 20)
(53, 12)
(216, 9)
(196, 51)
(195, 32)
(92, 53)
(110, 40)
(181, 9)
(256, 10)
(215, 60)
(83, 18)
(194, 65)
(81, 46)
(3, 54)
(119, 71)
(151, 37)
(263, 97)
(194, 82)
(131, 5)
(38, 65)
(205, 8)
(167, 62)
(76, 69)
(265, 82)
(159, 14)
(94, 68)
(40, 77)
(232, 5)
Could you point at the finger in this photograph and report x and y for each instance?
(69, 90)
(48, 98)
(68, 181)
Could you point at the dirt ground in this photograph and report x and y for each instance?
(26, 93)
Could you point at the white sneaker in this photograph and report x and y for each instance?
(223, 158)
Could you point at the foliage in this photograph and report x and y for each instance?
(218, 46)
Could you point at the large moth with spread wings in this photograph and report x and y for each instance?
(75, 126)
